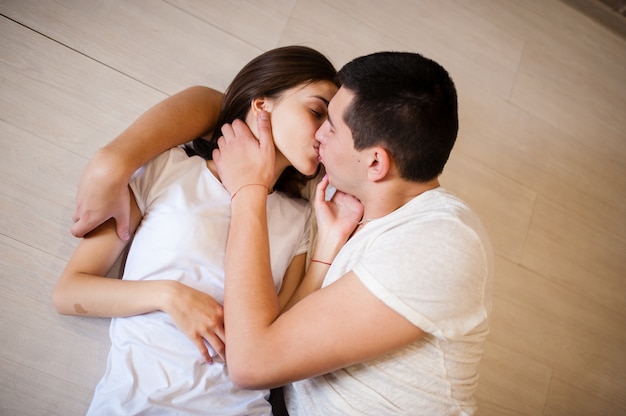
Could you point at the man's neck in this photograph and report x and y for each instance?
(385, 198)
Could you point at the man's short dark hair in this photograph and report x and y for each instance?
(405, 103)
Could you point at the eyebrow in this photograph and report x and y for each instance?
(322, 99)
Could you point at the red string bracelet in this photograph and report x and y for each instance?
(250, 184)
(320, 261)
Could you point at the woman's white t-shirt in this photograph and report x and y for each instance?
(153, 368)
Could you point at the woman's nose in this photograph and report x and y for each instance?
(320, 133)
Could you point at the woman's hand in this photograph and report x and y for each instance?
(102, 194)
(199, 317)
(242, 159)
(337, 218)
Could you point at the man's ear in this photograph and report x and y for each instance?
(379, 163)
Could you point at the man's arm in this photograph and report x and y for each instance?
(334, 327)
(102, 190)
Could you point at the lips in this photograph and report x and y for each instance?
(317, 150)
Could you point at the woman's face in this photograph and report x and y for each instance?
(296, 115)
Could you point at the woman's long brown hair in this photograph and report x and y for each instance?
(268, 75)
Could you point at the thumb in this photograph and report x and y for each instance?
(320, 191)
(264, 126)
(122, 222)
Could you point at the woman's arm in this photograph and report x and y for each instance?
(292, 280)
(84, 290)
(336, 220)
(102, 191)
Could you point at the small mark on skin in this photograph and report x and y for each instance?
(79, 308)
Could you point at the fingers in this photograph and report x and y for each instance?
(83, 225)
(218, 345)
(76, 215)
(216, 155)
(204, 351)
(228, 133)
(239, 130)
(78, 230)
(123, 227)
(264, 127)
(320, 190)
(214, 341)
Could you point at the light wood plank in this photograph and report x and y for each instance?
(150, 41)
(340, 36)
(585, 393)
(541, 338)
(25, 391)
(260, 23)
(487, 61)
(572, 86)
(502, 372)
(540, 157)
(64, 97)
(506, 221)
(49, 364)
(564, 248)
(39, 181)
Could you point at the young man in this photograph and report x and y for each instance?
(399, 323)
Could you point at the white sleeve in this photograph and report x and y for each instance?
(143, 179)
(306, 235)
(434, 274)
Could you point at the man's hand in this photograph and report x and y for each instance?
(242, 159)
(102, 194)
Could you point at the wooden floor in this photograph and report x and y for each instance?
(541, 156)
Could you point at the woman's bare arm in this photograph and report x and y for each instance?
(102, 190)
(83, 290)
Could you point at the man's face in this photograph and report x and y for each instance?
(336, 149)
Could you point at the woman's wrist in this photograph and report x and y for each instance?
(325, 253)
(243, 187)
(328, 245)
(166, 295)
(327, 263)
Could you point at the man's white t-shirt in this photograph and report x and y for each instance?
(153, 367)
(431, 262)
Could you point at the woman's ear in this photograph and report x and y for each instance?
(261, 103)
(257, 104)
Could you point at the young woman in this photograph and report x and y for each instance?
(167, 327)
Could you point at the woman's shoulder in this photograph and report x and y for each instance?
(289, 208)
(177, 157)
(290, 201)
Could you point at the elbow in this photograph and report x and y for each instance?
(253, 372)
(59, 301)
(248, 377)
